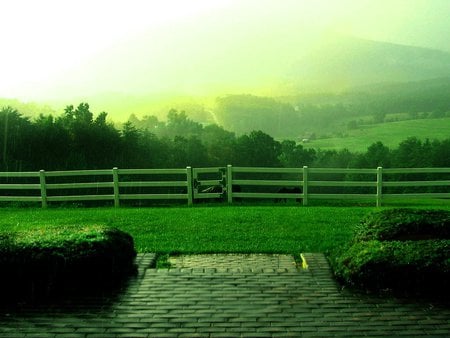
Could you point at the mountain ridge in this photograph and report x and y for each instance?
(343, 63)
(330, 64)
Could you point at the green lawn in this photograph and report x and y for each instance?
(209, 229)
(391, 134)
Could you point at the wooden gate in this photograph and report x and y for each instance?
(209, 184)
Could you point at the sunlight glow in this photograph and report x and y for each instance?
(43, 39)
(74, 50)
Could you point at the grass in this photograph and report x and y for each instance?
(390, 133)
(209, 229)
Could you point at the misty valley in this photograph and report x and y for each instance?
(285, 134)
(193, 97)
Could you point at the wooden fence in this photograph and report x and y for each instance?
(224, 184)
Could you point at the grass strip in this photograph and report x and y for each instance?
(208, 229)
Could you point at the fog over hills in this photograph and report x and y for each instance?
(339, 63)
(324, 64)
(144, 58)
(256, 62)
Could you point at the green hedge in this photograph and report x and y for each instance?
(403, 250)
(404, 224)
(41, 263)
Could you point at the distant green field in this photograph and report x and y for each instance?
(391, 134)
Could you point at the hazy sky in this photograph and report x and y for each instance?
(51, 47)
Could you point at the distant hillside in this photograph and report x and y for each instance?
(391, 134)
(339, 63)
(272, 64)
(288, 86)
(332, 114)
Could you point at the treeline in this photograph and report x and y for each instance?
(303, 115)
(78, 140)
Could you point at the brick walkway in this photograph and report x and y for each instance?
(231, 296)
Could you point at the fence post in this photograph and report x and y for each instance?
(229, 183)
(43, 188)
(115, 173)
(379, 185)
(190, 186)
(305, 185)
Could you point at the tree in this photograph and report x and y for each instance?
(188, 152)
(148, 122)
(219, 144)
(410, 154)
(92, 142)
(440, 153)
(377, 155)
(257, 149)
(50, 144)
(104, 152)
(243, 113)
(178, 124)
(15, 145)
(295, 155)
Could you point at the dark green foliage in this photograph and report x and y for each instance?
(403, 250)
(78, 140)
(410, 266)
(404, 224)
(257, 149)
(43, 263)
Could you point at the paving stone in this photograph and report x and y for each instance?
(60, 330)
(257, 334)
(210, 329)
(181, 330)
(231, 295)
(90, 330)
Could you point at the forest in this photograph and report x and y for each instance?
(79, 140)
(331, 114)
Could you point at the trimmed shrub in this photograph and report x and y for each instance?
(402, 250)
(413, 266)
(41, 263)
(404, 224)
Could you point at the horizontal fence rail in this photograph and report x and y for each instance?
(226, 184)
